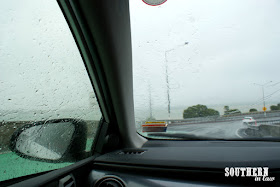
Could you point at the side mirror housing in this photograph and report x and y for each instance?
(61, 140)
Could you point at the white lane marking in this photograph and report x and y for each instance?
(237, 134)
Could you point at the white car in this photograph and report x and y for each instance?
(249, 122)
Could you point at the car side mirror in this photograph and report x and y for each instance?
(58, 140)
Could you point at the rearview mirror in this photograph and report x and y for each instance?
(53, 140)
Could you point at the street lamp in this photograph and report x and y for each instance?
(262, 86)
(167, 76)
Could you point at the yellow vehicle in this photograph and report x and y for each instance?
(156, 126)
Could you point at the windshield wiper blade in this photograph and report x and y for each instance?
(185, 136)
(181, 136)
(271, 139)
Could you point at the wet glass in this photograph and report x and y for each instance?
(49, 141)
(202, 66)
(42, 77)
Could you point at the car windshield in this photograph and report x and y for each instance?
(201, 67)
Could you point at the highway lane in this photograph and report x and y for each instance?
(224, 130)
(211, 130)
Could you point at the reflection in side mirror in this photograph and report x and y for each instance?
(48, 141)
(53, 140)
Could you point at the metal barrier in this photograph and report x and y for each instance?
(214, 119)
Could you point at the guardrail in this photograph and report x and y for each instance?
(211, 119)
(269, 122)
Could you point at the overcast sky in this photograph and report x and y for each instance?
(232, 44)
(42, 75)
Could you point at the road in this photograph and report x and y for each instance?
(211, 130)
(224, 130)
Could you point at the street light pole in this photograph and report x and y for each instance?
(167, 83)
(150, 102)
(167, 77)
(263, 101)
(262, 86)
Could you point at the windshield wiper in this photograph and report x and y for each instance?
(181, 136)
(271, 139)
(185, 136)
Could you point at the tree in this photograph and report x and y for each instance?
(212, 112)
(226, 108)
(273, 107)
(232, 111)
(199, 111)
(253, 110)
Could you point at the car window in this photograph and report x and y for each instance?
(42, 78)
(202, 66)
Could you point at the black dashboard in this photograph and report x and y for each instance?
(181, 163)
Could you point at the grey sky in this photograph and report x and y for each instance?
(42, 75)
(232, 44)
